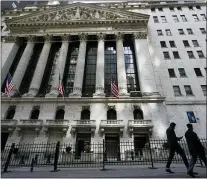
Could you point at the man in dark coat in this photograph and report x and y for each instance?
(174, 146)
(195, 147)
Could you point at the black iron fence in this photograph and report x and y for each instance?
(93, 155)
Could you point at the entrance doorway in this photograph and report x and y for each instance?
(81, 140)
(139, 145)
(4, 138)
(112, 146)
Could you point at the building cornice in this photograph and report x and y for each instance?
(147, 99)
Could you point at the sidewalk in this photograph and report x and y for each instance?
(110, 172)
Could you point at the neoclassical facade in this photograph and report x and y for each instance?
(86, 46)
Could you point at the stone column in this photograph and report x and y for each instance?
(100, 67)
(121, 72)
(60, 66)
(40, 68)
(24, 61)
(144, 65)
(78, 82)
(10, 48)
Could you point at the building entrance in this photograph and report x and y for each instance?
(139, 145)
(82, 140)
(4, 138)
(112, 145)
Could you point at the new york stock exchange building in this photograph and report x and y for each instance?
(92, 48)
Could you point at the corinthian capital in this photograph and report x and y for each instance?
(101, 36)
(65, 37)
(83, 36)
(31, 38)
(119, 36)
(12, 39)
(48, 38)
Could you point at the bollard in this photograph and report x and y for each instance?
(9, 158)
(56, 157)
(118, 154)
(132, 155)
(152, 167)
(48, 158)
(32, 165)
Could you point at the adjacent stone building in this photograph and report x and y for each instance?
(155, 51)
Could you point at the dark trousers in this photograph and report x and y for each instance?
(180, 151)
(194, 159)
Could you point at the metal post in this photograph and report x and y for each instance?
(152, 167)
(56, 157)
(32, 165)
(103, 154)
(9, 158)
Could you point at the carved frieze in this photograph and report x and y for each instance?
(140, 35)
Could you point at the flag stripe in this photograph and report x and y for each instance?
(114, 89)
(60, 87)
(9, 85)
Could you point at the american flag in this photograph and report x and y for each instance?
(60, 87)
(114, 89)
(9, 85)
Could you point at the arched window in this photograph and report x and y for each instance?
(35, 114)
(60, 114)
(10, 113)
(85, 114)
(111, 114)
(138, 114)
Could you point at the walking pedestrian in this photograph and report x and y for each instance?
(195, 147)
(174, 146)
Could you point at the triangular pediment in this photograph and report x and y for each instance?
(77, 12)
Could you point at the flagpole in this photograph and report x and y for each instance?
(15, 86)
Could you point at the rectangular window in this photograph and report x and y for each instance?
(183, 18)
(171, 73)
(152, 9)
(164, 20)
(155, 19)
(195, 43)
(176, 55)
(182, 72)
(179, 8)
(163, 44)
(188, 90)
(168, 32)
(203, 30)
(175, 18)
(177, 91)
(195, 17)
(166, 55)
(171, 8)
(198, 72)
(203, 16)
(186, 44)
(190, 32)
(181, 31)
(190, 8)
(191, 117)
(160, 9)
(172, 44)
(159, 32)
(200, 54)
(198, 7)
(190, 54)
(204, 89)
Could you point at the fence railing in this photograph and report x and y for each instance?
(93, 155)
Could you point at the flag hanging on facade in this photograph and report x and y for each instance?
(114, 89)
(9, 85)
(60, 86)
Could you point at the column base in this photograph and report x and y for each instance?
(32, 93)
(124, 95)
(52, 94)
(28, 95)
(75, 95)
(151, 94)
(99, 95)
